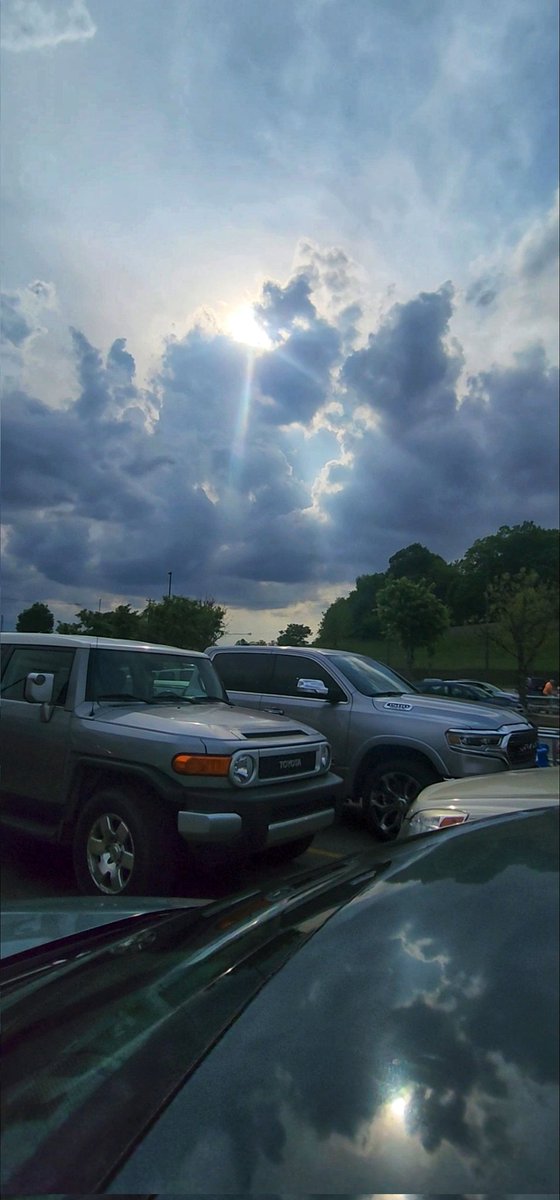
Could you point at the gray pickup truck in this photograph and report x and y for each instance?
(388, 741)
(129, 752)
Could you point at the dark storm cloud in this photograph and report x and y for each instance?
(406, 373)
(296, 375)
(431, 462)
(214, 472)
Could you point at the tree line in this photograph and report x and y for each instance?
(507, 582)
(172, 621)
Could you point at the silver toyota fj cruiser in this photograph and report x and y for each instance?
(125, 750)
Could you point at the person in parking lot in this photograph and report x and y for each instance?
(550, 688)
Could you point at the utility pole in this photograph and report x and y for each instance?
(169, 576)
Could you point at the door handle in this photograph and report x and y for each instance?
(279, 712)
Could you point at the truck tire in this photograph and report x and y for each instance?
(389, 788)
(122, 845)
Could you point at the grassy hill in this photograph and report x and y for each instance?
(463, 652)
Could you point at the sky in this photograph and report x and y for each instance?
(279, 294)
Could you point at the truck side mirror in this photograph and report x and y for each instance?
(316, 687)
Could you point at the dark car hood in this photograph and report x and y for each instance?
(398, 1037)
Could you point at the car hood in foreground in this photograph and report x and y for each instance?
(27, 924)
(378, 1027)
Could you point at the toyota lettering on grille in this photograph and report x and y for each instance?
(275, 767)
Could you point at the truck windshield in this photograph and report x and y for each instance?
(150, 676)
(369, 677)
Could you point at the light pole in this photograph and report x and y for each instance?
(169, 576)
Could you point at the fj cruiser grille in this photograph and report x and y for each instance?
(281, 766)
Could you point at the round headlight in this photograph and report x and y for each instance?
(325, 757)
(243, 769)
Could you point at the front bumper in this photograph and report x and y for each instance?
(255, 818)
(222, 827)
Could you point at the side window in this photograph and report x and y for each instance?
(244, 672)
(37, 658)
(288, 668)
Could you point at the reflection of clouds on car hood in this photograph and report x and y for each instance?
(408, 1062)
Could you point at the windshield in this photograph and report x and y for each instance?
(371, 678)
(151, 676)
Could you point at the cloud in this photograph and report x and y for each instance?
(281, 306)
(21, 311)
(42, 24)
(406, 372)
(15, 327)
(512, 297)
(264, 479)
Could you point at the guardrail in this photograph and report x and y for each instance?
(538, 703)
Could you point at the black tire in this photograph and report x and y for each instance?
(122, 845)
(388, 791)
(287, 850)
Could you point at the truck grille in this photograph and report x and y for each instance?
(281, 766)
(522, 748)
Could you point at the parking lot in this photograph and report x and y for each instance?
(33, 870)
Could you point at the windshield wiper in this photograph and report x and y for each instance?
(120, 696)
(378, 694)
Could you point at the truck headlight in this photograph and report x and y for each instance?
(325, 757)
(243, 769)
(472, 739)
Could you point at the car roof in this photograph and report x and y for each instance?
(79, 639)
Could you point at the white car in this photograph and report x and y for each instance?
(458, 800)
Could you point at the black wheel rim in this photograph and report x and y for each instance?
(390, 797)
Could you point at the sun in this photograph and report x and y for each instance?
(242, 326)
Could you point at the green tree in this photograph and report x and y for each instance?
(294, 635)
(522, 610)
(413, 613)
(507, 552)
(181, 621)
(119, 622)
(334, 628)
(417, 563)
(37, 618)
(352, 616)
(361, 613)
